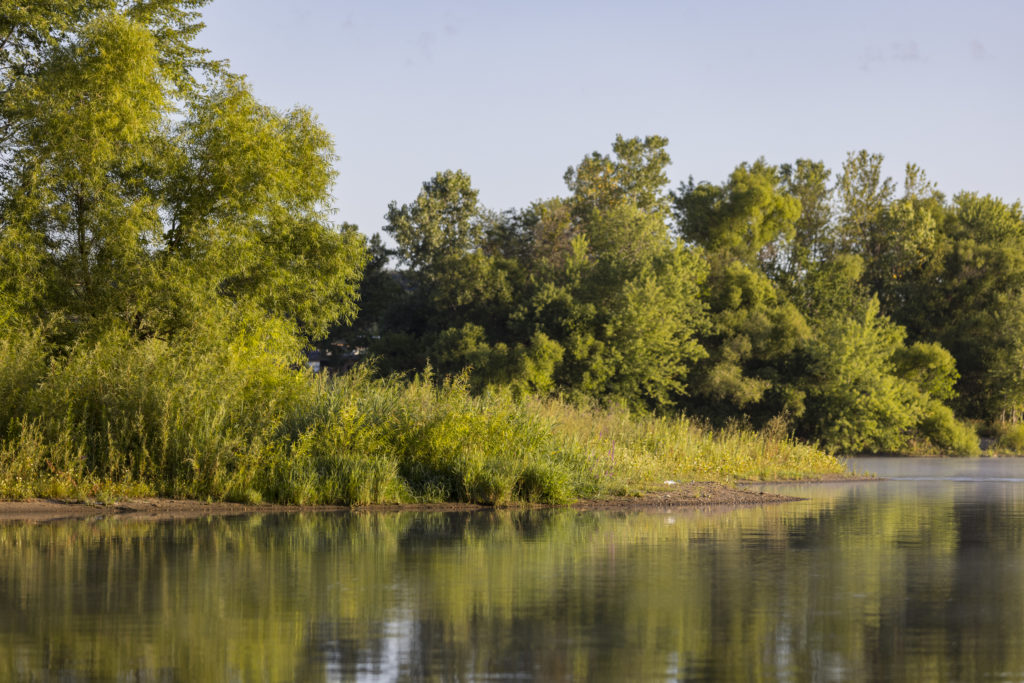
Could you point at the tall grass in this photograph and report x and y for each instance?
(213, 416)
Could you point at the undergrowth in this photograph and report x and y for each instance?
(219, 416)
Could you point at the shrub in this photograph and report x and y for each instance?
(947, 433)
(221, 413)
(1010, 437)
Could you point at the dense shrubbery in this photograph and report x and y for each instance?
(221, 414)
(1009, 437)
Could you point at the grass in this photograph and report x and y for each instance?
(214, 418)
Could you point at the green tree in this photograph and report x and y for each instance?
(896, 236)
(741, 217)
(140, 184)
(85, 126)
(863, 194)
(866, 389)
(626, 302)
(756, 336)
(450, 280)
(248, 197)
(970, 298)
(856, 401)
(788, 260)
(587, 295)
(443, 223)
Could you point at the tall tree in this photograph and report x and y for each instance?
(756, 335)
(74, 198)
(970, 298)
(857, 401)
(248, 202)
(439, 239)
(141, 184)
(628, 296)
(789, 259)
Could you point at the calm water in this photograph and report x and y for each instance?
(917, 578)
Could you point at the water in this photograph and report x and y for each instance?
(920, 577)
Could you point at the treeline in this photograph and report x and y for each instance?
(167, 253)
(865, 314)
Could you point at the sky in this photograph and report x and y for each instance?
(514, 93)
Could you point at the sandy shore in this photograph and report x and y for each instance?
(680, 495)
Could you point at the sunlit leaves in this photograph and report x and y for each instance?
(140, 184)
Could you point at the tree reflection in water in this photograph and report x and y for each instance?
(889, 580)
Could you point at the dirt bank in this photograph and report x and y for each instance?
(680, 495)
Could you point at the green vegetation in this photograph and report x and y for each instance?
(167, 254)
(864, 320)
(218, 415)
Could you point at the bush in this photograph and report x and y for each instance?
(1010, 437)
(23, 364)
(221, 413)
(946, 433)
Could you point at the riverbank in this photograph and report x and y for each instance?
(695, 494)
(123, 419)
(126, 420)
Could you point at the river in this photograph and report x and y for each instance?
(918, 577)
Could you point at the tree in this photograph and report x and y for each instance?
(586, 295)
(741, 217)
(863, 196)
(970, 298)
(248, 194)
(635, 176)
(83, 125)
(788, 260)
(140, 183)
(450, 279)
(856, 400)
(626, 303)
(866, 389)
(756, 335)
(443, 223)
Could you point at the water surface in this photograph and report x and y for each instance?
(919, 577)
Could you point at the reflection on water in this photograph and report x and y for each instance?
(911, 579)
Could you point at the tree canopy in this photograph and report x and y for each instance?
(141, 183)
(843, 303)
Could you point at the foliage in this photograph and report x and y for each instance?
(221, 414)
(971, 300)
(167, 250)
(751, 299)
(140, 184)
(945, 433)
(741, 217)
(248, 198)
(856, 402)
(1010, 438)
(756, 335)
(928, 365)
(587, 296)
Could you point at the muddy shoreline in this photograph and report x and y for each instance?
(694, 494)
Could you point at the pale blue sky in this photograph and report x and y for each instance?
(515, 92)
